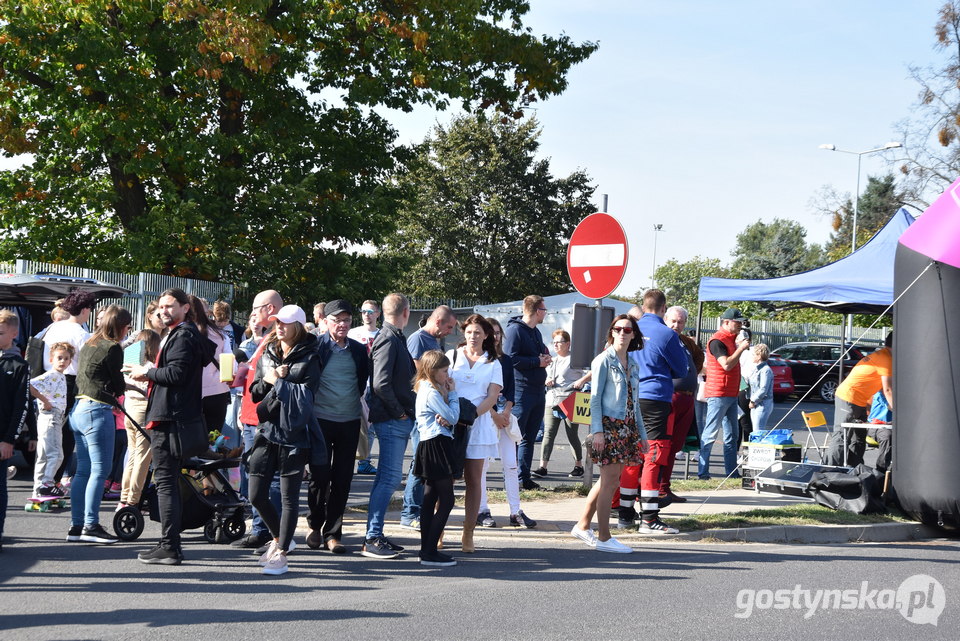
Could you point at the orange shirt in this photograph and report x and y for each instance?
(864, 379)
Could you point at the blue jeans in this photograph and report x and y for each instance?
(723, 410)
(760, 414)
(529, 410)
(259, 528)
(94, 428)
(413, 494)
(392, 437)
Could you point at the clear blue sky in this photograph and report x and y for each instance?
(706, 116)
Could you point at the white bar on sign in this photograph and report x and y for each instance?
(597, 255)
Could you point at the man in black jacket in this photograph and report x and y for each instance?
(173, 404)
(344, 368)
(391, 401)
(14, 401)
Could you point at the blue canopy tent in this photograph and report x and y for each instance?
(861, 283)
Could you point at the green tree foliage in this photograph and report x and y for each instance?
(681, 283)
(777, 248)
(234, 139)
(483, 218)
(930, 158)
(878, 203)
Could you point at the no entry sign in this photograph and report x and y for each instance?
(597, 255)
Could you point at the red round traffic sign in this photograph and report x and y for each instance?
(597, 255)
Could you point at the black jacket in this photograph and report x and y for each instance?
(524, 345)
(357, 350)
(14, 396)
(98, 373)
(391, 377)
(304, 369)
(177, 381)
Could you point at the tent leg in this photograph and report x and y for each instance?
(696, 336)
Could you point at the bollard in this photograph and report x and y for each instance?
(588, 461)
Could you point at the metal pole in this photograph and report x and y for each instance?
(653, 273)
(604, 203)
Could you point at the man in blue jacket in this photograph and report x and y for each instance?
(523, 343)
(662, 359)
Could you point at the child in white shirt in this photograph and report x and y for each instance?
(50, 390)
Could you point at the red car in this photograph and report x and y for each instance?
(782, 379)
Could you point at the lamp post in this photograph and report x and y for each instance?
(856, 210)
(653, 275)
(856, 194)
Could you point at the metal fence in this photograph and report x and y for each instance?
(144, 287)
(777, 333)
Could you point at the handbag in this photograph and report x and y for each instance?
(514, 430)
(468, 413)
(188, 438)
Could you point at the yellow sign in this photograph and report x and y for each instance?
(581, 409)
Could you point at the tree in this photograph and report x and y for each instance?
(235, 140)
(483, 218)
(681, 283)
(878, 203)
(930, 159)
(778, 248)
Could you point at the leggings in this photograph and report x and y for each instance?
(437, 494)
(281, 526)
(551, 425)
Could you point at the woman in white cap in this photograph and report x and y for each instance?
(284, 385)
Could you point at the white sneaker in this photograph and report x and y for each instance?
(11, 472)
(613, 545)
(587, 536)
(269, 554)
(277, 564)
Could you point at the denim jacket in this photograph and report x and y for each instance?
(608, 396)
(430, 403)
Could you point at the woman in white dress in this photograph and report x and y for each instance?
(479, 378)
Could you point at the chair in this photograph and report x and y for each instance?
(812, 420)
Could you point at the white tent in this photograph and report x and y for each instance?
(559, 311)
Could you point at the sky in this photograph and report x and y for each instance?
(705, 116)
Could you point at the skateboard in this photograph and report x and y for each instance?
(45, 503)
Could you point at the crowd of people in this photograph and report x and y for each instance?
(304, 400)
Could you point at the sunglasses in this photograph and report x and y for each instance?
(368, 311)
(626, 329)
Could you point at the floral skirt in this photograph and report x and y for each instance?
(621, 443)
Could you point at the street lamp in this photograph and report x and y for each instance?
(856, 195)
(653, 274)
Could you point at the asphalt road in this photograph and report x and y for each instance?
(547, 588)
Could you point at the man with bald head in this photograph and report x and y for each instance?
(265, 304)
(684, 393)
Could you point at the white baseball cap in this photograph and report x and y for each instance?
(289, 314)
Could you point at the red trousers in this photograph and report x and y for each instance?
(678, 426)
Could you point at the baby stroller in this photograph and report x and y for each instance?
(207, 501)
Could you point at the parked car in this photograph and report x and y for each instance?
(809, 361)
(783, 385)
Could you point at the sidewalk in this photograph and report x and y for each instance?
(555, 518)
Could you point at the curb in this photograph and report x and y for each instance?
(869, 533)
(803, 534)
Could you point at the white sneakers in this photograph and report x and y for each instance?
(613, 545)
(610, 545)
(276, 564)
(587, 536)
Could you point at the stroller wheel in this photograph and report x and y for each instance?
(128, 523)
(234, 527)
(211, 530)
